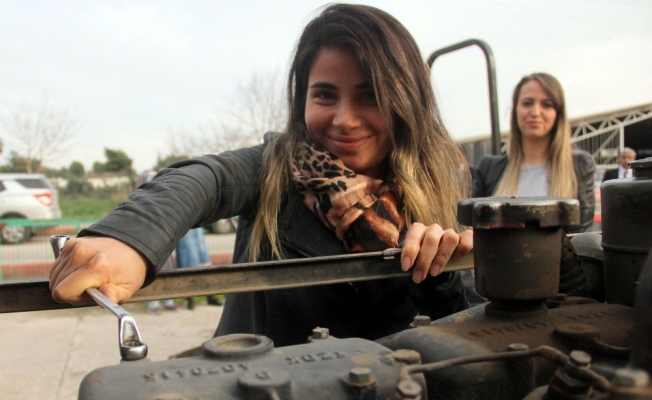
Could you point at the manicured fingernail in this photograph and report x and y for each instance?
(405, 263)
(435, 270)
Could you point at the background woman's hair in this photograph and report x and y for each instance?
(562, 180)
(425, 160)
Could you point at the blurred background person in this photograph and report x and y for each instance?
(626, 155)
(540, 160)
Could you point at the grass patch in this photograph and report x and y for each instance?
(87, 208)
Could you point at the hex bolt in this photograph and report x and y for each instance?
(631, 378)
(360, 375)
(518, 347)
(421, 320)
(408, 390)
(560, 297)
(320, 333)
(409, 357)
(580, 359)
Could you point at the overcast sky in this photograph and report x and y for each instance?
(132, 70)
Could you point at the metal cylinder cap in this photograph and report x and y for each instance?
(237, 345)
(641, 168)
(518, 212)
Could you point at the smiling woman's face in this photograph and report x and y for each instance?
(342, 113)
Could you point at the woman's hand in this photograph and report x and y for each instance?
(428, 249)
(108, 264)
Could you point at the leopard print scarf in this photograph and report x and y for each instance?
(365, 213)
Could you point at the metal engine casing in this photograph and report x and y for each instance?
(431, 360)
(244, 366)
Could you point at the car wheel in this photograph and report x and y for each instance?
(15, 234)
(223, 226)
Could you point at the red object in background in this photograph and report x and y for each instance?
(45, 198)
(597, 216)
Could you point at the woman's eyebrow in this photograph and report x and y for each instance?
(330, 86)
(323, 85)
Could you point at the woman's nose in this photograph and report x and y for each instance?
(346, 116)
(536, 109)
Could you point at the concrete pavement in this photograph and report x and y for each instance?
(45, 354)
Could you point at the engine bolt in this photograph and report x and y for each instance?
(320, 333)
(360, 375)
(631, 378)
(421, 320)
(409, 390)
(560, 297)
(518, 347)
(578, 358)
(409, 357)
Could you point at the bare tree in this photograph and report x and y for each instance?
(258, 107)
(43, 133)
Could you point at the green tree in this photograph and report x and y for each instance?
(116, 161)
(18, 163)
(77, 169)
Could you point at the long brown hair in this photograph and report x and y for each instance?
(424, 159)
(562, 181)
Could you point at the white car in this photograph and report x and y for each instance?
(29, 196)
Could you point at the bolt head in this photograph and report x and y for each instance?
(578, 358)
(409, 389)
(560, 297)
(408, 357)
(320, 333)
(360, 375)
(421, 320)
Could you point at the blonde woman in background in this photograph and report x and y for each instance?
(540, 160)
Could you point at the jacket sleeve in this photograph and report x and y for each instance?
(479, 188)
(487, 175)
(187, 194)
(585, 172)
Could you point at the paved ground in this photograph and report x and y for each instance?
(45, 354)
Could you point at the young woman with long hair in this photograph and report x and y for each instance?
(365, 164)
(540, 160)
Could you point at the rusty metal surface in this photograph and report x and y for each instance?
(471, 332)
(249, 367)
(627, 235)
(187, 282)
(526, 269)
(518, 212)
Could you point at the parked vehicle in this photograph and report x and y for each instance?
(29, 196)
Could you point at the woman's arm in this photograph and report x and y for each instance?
(585, 173)
(126, 248)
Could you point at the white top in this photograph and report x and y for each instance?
(532, 180)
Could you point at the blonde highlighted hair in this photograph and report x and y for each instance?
(425, 160)
(562, 180)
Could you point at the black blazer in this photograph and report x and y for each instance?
(491, 168)
(610, 174)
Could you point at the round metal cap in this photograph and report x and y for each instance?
(237, 345)
(518, 212)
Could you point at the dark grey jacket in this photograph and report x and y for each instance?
(194, 192)
(491, 168)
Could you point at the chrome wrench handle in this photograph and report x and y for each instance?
(131, 346)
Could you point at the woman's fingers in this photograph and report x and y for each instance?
(429, 248)
(105, 263)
